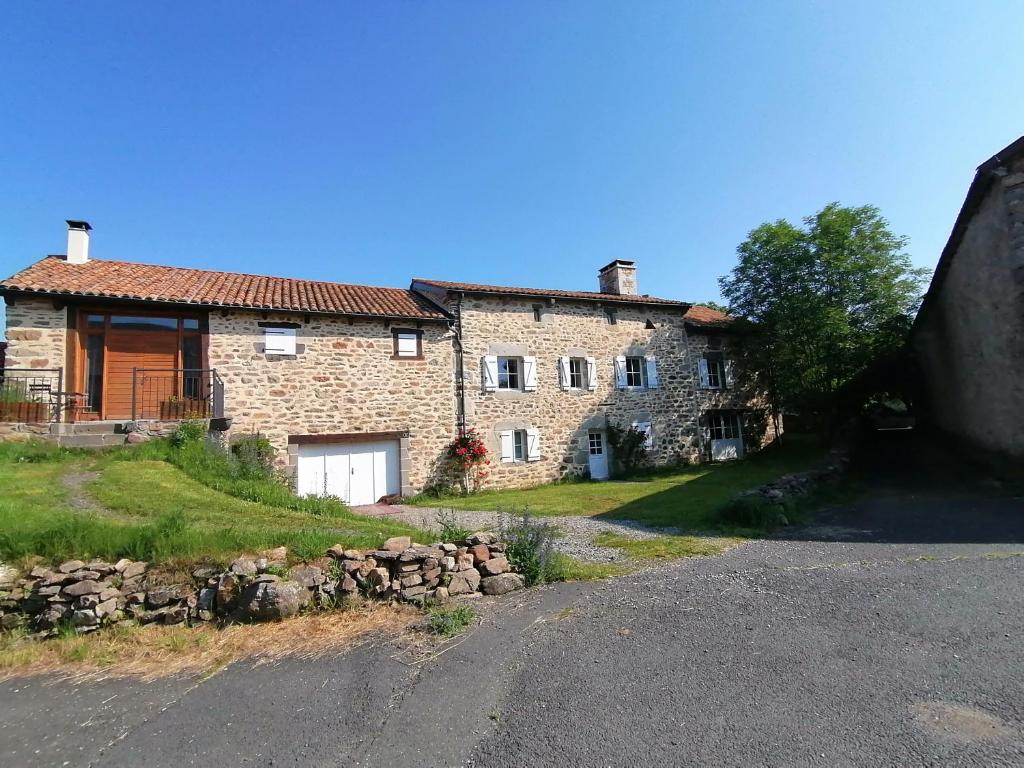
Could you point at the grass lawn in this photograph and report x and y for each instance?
(132, 504)
(684, 498)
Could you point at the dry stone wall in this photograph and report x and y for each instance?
(342, 379)
(90, 595)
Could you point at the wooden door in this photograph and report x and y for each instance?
(127, 349)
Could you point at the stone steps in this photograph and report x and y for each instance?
(89, 428)
(90, 440)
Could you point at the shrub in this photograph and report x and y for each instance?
(254, 455)
(191, 431)
(530, 547)
(466, 460)
(751, 512)
(448, 523)
(449, 620)
(629, 447)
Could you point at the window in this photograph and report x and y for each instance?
(143, 323)
(408, 343)
(596, 444)
(577, 368)
(508, 373)
(724, 426)
(279, 341)
(610, 316)
(538, 312)
(577, 373)
(519, 445)
(714, 371)
(634, 371)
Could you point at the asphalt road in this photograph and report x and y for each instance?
(889, 633)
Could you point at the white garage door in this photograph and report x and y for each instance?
(357, 473)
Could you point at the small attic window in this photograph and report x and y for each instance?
(649, 325)
(538, 312)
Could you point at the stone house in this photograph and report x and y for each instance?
(361, 388)
(968, 337)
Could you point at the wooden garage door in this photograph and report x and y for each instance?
(136, 349)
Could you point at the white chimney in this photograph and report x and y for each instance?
(78, 242)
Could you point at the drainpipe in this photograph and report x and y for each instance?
(460, 370)
(696, 399)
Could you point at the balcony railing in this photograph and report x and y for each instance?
(31, 395)
(171, 394)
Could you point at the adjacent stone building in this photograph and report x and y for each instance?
(359, 388)
(969, 333)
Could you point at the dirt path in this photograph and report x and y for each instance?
(75, 480)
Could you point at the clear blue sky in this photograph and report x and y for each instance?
(510, 143)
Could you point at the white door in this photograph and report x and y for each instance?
(598, 455)
(726, 436)
(357, 473)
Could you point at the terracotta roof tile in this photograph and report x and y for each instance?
(146, 282)
(544, 292)
(698, 314)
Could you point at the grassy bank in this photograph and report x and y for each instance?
(684, 497)
(161, 503)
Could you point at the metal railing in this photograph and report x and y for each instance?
(173, 394)
(31, 395)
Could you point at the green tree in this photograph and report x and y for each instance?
(823, 302)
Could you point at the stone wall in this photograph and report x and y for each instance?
(91, 595)
(342, 379)
(36, 334)
(970, 337)
(507, 326)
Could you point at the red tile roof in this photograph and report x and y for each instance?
(545, 292)
(698, 314)
(147, 282)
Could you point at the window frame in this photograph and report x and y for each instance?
(727, 425)
(577, 378)
(640, 373)
(509, 375)
(396, 333)
(519, 445)
(716, 370)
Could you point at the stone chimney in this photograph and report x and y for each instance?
(78, 242)
(618, 277)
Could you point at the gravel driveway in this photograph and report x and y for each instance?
(576, 533)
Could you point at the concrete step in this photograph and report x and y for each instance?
(89, 428)
(91, 441)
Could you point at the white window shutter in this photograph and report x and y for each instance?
(533, 444)
(728, 374)
(563, 372)
(279, 341)
(489, 366)
(530, 374)
(652, 372)
(648, 429)
(591, 373)
(506, 446)
(620, 372)
(702, 367)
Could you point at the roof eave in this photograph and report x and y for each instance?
(636, 301)
(17, 292)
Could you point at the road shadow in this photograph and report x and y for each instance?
(913, 488)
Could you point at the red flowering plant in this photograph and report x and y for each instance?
(466, 456)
